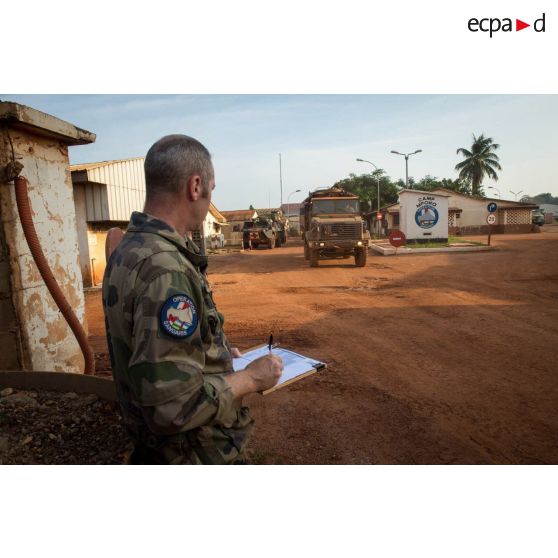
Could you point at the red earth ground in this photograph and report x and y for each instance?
(437, 358)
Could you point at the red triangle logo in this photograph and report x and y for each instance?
(519, 25)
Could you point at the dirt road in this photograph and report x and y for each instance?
(431, 358)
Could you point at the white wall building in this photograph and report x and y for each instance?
(467, 214)
(423, 215)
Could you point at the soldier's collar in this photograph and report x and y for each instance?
(142, 222)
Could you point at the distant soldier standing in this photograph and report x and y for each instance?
(171, 360)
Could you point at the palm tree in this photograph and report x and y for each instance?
(479, 162)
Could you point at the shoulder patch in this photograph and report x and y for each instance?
(179, 316)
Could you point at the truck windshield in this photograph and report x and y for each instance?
(334, 206)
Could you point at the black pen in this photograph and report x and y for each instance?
(270, 341)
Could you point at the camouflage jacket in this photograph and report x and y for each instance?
(168, 349)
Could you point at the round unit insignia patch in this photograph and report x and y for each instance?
(179, 316)
(426, 216)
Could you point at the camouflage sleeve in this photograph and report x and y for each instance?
(168, 358)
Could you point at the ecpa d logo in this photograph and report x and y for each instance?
(494, 24)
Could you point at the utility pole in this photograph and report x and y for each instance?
(280, 180)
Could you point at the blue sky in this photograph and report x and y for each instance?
(320, 136)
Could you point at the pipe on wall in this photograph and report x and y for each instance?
(24, 210)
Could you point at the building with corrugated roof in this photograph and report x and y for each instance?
(105, 195)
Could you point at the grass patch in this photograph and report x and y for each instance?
(451, 241)
(462, 240)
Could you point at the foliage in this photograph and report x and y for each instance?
(365, 186)
(541, 198)
(429, 183)
(480, 161)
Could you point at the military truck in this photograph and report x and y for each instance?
(332, 226)
(259, 232)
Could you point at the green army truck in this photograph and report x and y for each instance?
(332, 226)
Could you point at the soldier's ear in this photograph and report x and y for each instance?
(194, 187)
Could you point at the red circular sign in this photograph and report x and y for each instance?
(397, 238)
(379, 216)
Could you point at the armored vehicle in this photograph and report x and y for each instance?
(332, 226)
(279, 223)
(259, 232)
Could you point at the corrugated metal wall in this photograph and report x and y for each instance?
(118, 189)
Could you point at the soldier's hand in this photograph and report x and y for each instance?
(265, 371)
(235, 353)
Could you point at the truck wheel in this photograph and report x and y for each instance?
(306, 252)
(360, 257)
(314, 258)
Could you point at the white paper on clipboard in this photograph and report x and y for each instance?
(296, 365)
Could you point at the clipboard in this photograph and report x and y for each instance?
(297, 366)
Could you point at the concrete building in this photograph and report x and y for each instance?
(550, 212)
(235, 220)
(467, 215)
(33, 333)
(292, 214)
(423, 215)
(214, 226)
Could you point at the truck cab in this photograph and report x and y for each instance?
(332, 226)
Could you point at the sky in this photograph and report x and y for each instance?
(319, 137)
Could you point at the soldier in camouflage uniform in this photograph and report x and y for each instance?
(171, 361)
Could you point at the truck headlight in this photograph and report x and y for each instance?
(322, 244)
(359, 243)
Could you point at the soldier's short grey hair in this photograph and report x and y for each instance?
(171, 161)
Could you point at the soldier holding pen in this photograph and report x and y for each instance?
(171, 360)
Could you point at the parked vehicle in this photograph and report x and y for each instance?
(538, 217)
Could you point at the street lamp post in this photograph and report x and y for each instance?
(493, 188)
(516, 193)
(378, 183)
(288, 203)
(407, 155)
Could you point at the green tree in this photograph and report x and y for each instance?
(480, 161)
(545, 198)
(429, 183)
(365, 186)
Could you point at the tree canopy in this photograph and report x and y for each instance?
(542, 198)
(365, 186)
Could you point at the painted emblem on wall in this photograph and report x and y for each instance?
(426, 216)
(179, 316)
